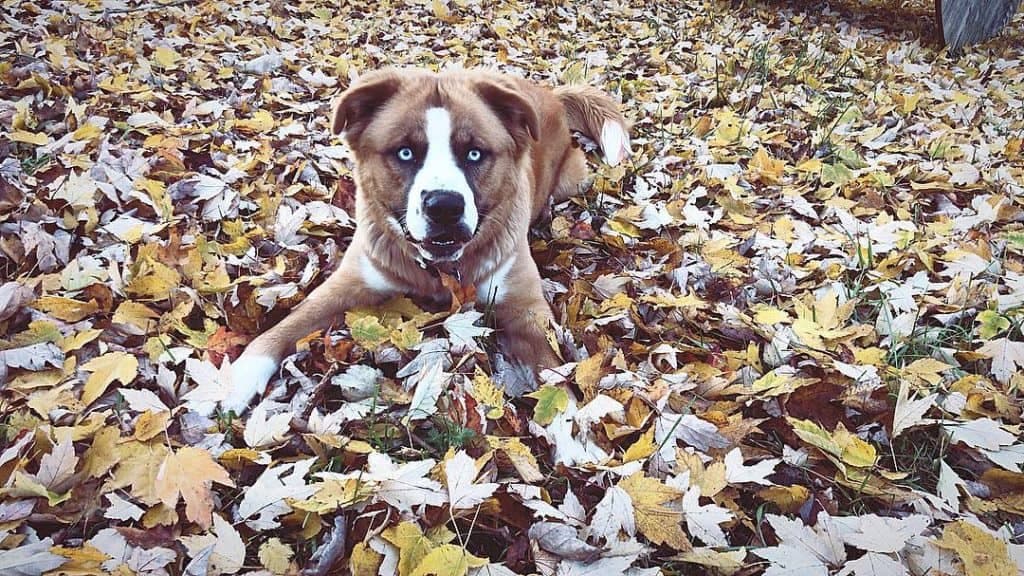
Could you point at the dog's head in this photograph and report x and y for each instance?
(435, 152)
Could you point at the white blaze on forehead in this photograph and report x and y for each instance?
(440, 171)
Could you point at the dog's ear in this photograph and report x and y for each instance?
(515, 111)
(354, 109)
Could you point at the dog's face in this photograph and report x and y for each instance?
(435, 152)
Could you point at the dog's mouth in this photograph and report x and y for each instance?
(442, 245)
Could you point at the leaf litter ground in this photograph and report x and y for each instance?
(793, 322)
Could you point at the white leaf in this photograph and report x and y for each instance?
(143, 119)
(873, 564)
(946, 487)
(700, 434)
(139, 560)
(1007, 357)
(228, 548)
(909, 413)
(405, 486)
(737, 473)
(264, 501)
(460, 473)
(875, 533)
(261, 432)
(462, 329)
(30, 559)
(429, 383)
(802, 549)
(142, 400)
(213, 385)
(121, 509)
(703, 521)
(963, 174)
(613, 513)
(59, 465)
(982, 433)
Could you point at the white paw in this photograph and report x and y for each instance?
(614, 142)
(249, 377)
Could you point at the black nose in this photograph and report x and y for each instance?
(443, 207)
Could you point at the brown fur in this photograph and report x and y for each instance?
(526, 127)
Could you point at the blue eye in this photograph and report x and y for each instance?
(405, 154)
(474, 155)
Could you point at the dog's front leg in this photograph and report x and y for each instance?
(355, 283)
(521, 313)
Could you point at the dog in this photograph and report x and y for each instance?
(451, 169)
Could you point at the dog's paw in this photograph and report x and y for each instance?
(614, 142)
(249, 377)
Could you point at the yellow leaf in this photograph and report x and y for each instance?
(105, 369)
(642, 448)
(66, 309)
(624, 228)
(981, 553)
(261, 121)
(165, 57)
(413, 546)
(276, 556)
(927, 369)
(769, 169)
(768, 315)
(657, 522)
(691, 300)
(489, 395)
(150, 424)
(406, 336)
(79, 339)
(189, 472)
(910, 102)
(589, 372)
(36, 138)
(448, 560)
(137, 315)
(334, 494)
(87, 131)
(137, 464)
(789, 499)
(551, 401)
(724, 562)
(153, 279)
(843, 445)
(364, 560)
(519, 454)
(366, 330)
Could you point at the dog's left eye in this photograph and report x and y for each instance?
(474, 155)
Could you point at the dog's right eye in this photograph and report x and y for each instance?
(405, 154)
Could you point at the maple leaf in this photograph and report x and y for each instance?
(1007, 357)
(30, 559)
(188, 473)
(228, 549)
(462, 329)
(802, 549)
(266, 499)
(657, 522)
(737, 473)
(404, 486)
(261, 431)
(106, 369)
(703, 521)
(909, 413)
(460, 477)
(613, 513)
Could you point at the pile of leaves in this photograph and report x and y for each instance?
(792, 323)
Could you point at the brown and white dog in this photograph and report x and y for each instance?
(451, 169)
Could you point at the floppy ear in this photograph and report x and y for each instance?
(354, 109)
(517, 113)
